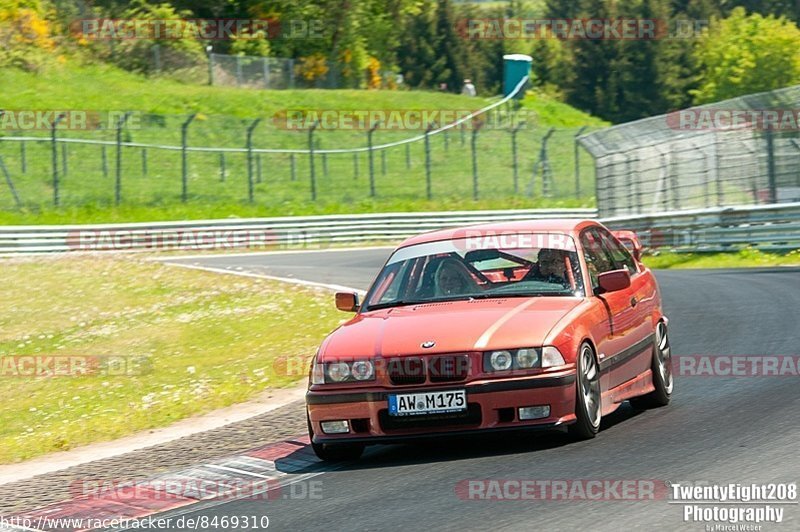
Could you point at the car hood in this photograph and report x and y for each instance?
(454, 326)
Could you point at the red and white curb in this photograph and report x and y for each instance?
(264, 470)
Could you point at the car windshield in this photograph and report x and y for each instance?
(516, 265)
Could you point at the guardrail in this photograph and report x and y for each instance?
(767, 227)
(300, 232)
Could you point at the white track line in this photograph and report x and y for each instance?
(301, 282)
(262, 253)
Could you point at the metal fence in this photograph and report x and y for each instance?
(285, 73)
(495, 153)
(700, 157)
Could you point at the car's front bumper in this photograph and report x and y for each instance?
(492, 407)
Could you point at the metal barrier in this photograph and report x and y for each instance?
(767, 227)
(299, 232)
(773, 227)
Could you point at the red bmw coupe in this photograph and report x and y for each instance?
(523, 325)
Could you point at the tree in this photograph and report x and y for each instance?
(743, 54)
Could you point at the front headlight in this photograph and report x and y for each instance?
(527, 358)
(339, 372)
(500, 360)
(363, 370)
(512, 359)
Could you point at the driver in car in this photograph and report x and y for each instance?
(550, 267)
(452, 278)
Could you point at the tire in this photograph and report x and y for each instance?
(334, 452)
(588, 407)
(661, 367)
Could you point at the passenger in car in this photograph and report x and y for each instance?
(453, 278)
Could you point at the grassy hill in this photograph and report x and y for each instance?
(151, 179)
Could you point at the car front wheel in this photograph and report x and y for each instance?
(587, 401)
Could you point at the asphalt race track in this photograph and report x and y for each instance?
(717, 430)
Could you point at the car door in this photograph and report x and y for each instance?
(614, 334)
(636, 356)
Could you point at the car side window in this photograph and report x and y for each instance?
(619, 253)
(598, 260)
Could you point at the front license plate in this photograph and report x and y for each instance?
(412, 404)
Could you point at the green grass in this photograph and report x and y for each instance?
(87, 184)
(209, 341)
(746, 258)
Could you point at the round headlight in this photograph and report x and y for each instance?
(363, 370)
(338, 371)
(500, 360)
(527, 358)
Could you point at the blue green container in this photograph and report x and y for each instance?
(515, 68)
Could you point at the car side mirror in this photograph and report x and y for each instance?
(614, 280)
(630, 240)
(347, 301)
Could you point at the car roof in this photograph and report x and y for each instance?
(570, 226)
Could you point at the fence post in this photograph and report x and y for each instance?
(222, 166)
(311, 160)
(157, 57)
(250, 128)
(576, 155)
(56, 198)
(796, 143)
(771, 173)
(10, 183)
(473, 144)
(324, 159)
(144, 162)
(64, 159)
(408, 155)
(104, 160)
(293, 166)
(118, 175)
(428, 191)
(717, 178)
(238, 70)
(371, 159)
(291, 73)
(544, 159)
(514, 164)
(355, 166)
(23, 157)
(210, 65)
(184, 162)
(446, 140)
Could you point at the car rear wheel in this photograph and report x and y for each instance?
(587, 401)
(334, 452)
(662, 373)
